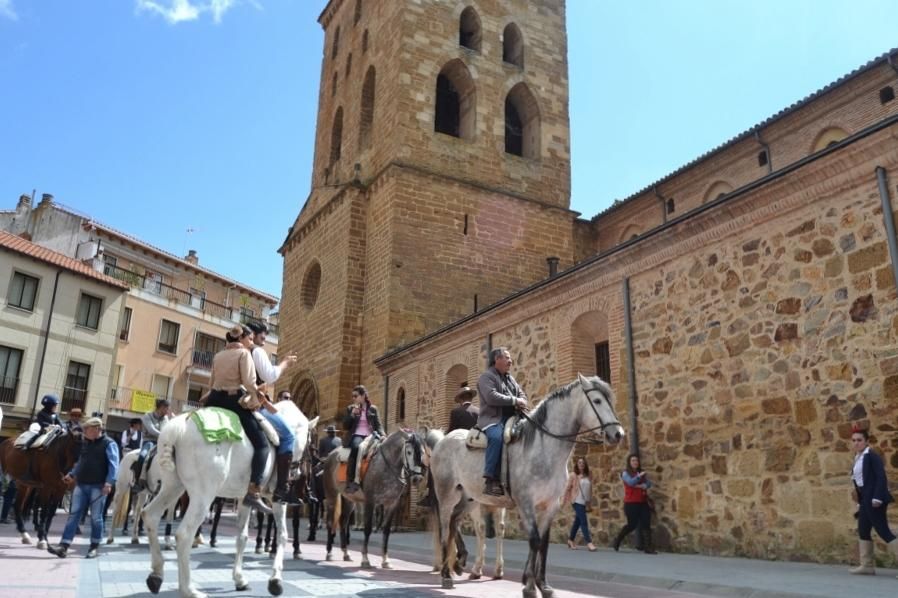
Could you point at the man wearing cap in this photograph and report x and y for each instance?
(94, 476)
(266, 373)
(152, 424)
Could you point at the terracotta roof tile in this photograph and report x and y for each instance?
(22, 246)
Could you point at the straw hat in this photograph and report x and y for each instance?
(465, 393)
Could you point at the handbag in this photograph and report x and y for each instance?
(587, 500)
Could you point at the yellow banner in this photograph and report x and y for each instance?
(143, 401)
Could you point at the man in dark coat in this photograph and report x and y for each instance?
(326, 445)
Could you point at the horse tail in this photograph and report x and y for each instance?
(121, 511)
(172, 431)
(338, 511)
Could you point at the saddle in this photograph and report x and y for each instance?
(34, 439)
(367, 450)
(476, 439)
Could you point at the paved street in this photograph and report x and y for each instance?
(120, 571)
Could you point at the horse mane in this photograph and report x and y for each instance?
(530, 429)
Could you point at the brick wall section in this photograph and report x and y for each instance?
(763, 329)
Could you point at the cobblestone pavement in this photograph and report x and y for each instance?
(121, 570)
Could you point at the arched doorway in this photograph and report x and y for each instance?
(305, 395)
(589, 343)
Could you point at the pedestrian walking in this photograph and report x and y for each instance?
(579, 494)
(871, 494)
(637, 507)
(94, 476)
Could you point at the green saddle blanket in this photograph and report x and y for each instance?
(217, 424)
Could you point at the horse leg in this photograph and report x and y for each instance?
(190, 522)
(448, 529)
(368, 519)
(169, 520)
(140, 500)
(387, 524)
(260, 523)
(500, 536)
(269, 541)
(345, 523)
(477, 519)
(243, 515)
(545, 589)
(531, 567)
(275, 582)
(296, 516)
(18, 509)
(151, 515)
(330, 525)
(217, 505)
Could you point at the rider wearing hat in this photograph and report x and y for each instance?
(94, 476)
(46, 417)
(329, 443)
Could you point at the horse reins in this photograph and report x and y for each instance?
(574, 438)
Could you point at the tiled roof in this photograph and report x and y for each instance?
(22, 246)
(881, 59)
(181, 261)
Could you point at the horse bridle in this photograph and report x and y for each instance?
(406, 469)
(574, 438)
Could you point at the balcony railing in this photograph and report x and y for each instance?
(119, 398)
(73, 398)
(247, 319)
(8, 386)
(202, 359)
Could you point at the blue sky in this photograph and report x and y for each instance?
(155, 116)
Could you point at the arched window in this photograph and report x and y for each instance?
(337, 136)
(455, 101)
(336, 45)
(717, 189)
(400, 405)
(334, 85)
(521, 122)
(513, 45)
(365, 41)
(589, 345)
(358, 12)
(348, 64)
(630, 232)
(311, 285)
(469, 34)
(366, 111)
(827, 137)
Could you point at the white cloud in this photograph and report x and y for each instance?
(177, 11)
(7, 11)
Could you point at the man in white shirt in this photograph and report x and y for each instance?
(267, 373)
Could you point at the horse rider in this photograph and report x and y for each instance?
(94, 475)
(329, 443)
(152, 423)
(361, 420)
(267, 373)
(233, 386)
(500, 395)
(132, 438)
(46, 417)
(462, 417)
(73, 426)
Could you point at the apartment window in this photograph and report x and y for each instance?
(10, 361)
(160, 386)
(603, 361)
(168, 337)
(75, 392)
(125, 331)
(193, 396)
(197, 298)
(205, 349)
(110, 260)
(247, 314)
(22, 291)
(89, 309)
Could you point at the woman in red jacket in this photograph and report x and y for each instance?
(636, 505)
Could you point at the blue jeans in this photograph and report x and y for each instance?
(284, 433)
(86, 496)
(580, 522)
(493, 450)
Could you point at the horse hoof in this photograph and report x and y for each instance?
(135, 541)
(242, 587)
(366, 565)
(258, 550)
(212, 543)
(275, 588)
(297, 556)
(328, 557)
(529, 593)
(473, 576)
(386, 565)
(42, 545)
(347, 558)
(447, 584)
(547, 591)
(457, 569)
(26, 539)
(169, 547)
(154, 582)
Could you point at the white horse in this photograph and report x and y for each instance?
(122, 498)
(537, 470)
(206, 471)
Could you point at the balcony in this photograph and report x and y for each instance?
(180, 296)
(8, 387)
(202, 359)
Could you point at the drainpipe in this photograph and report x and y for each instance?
(663, 204)
(45, 333)
(766, 151)
(631, 371)
(387, 404)
(489, 348)
(888, 218)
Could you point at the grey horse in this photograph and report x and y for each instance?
(537, 471)
(399, 460)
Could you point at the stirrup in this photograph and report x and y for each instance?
(255, 501)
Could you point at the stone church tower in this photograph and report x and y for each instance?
(441, 181)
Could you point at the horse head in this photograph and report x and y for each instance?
(599, 416)
(413, 457)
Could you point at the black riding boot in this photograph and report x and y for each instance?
(351, 486)
(282, 491)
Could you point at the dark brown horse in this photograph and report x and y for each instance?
(41, 472)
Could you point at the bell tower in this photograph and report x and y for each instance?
(441, 178)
